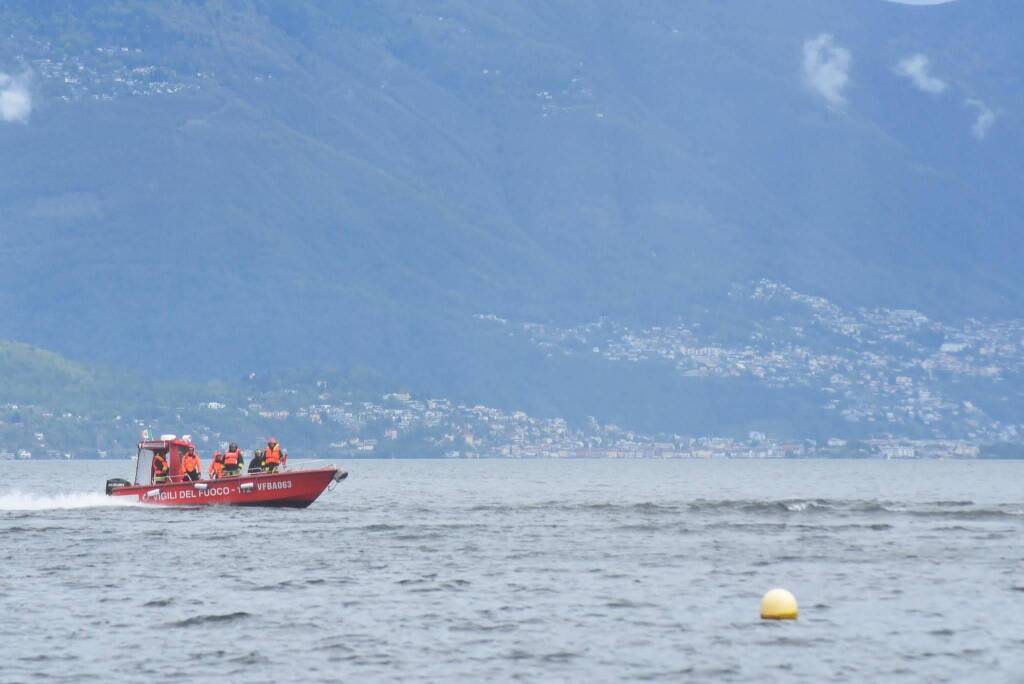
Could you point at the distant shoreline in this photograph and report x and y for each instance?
(128, 459)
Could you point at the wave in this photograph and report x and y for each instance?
(783, 508)
(213, 618)
(956, 510)
(767, 506)
(21, 501)
(158, 603)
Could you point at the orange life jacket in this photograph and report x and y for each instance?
(231, 459)
(191, 464)
(160, 467)
(217, 467)
(273, 455)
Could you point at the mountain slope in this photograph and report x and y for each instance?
(227, 186)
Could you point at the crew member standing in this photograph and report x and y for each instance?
(216, 465)
(272, 456)
(161, 469)
(191, 466)
(233, 460)
(256, 462)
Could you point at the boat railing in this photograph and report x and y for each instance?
(307, 464)
(296, 466)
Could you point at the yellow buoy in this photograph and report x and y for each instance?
(778, 604)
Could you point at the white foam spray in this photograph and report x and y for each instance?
(20, 501)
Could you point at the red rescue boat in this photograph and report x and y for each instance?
(289, 488)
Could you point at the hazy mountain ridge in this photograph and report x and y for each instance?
(273, 185)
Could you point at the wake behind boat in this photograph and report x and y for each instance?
(293, 488)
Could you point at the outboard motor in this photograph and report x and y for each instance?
(116, 483)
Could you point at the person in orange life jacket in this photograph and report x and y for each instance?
(272, 456)
(160, 469)
(216, 466)
(233, 460)
(191, 466)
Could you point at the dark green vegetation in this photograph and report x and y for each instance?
(343, 185)
(84, 410)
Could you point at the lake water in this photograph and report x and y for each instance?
(473, 571)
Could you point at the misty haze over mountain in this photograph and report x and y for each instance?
(197, 190)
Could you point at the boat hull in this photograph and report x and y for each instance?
(290, 489)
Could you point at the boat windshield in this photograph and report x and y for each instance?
(144, 467)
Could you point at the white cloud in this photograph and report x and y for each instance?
(986, 117)
(15, 98)
(915, 68)
(826, 68)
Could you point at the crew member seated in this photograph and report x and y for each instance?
(161, 469)
(191, 466)
(216, 466)
(272, 456)
(256, 464)
(233, 461)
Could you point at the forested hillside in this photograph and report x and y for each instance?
(196, 190)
